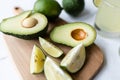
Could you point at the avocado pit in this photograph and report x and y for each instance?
(29, 22)
(78, 34)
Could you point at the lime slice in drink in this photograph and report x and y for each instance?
(97, 2)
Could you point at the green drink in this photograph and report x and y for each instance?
(108, 18)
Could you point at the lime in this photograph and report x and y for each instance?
(50, 48)
(50, 8)
(54, 72)
(97, 2)
(73, 7)
(37, 60)
(74, 59)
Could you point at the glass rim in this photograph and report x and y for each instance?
(111, 4)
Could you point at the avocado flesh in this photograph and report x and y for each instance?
(13, 26)
(62, 34)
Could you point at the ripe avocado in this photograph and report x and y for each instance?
(73, 7)
(26, 25)
(72, 34)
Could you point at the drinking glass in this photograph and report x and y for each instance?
(107, 20)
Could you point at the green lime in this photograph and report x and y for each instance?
(50, 8)
(97, 2)
(73, 7)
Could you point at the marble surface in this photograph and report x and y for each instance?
(109, 46)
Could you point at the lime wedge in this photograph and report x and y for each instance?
(37, 60)
(97, 2)
(74, 59)
(50, 48)
(54, 72)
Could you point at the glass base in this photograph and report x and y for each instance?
(107, 34)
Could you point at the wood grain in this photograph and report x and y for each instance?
(20, 51)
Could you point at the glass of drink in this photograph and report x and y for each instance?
(107, 20)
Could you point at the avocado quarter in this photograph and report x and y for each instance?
(14, 25)
(72, 34)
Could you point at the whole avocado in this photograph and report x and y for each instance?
(73, 7)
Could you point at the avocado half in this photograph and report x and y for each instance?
(73, 34)
(13, 25)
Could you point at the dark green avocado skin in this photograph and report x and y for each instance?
(73, 7)
(29, 37)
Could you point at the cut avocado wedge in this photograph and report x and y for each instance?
(26, 25)
(75, 58)
(73, 34)
(37, 60)
(54, 72)
(50, 48)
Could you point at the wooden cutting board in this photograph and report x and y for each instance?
(20, 50)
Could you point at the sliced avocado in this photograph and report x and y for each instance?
(73, 7)
(26, 25)
(73, 34)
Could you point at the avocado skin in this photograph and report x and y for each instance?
(73, 7)
(30, 37)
